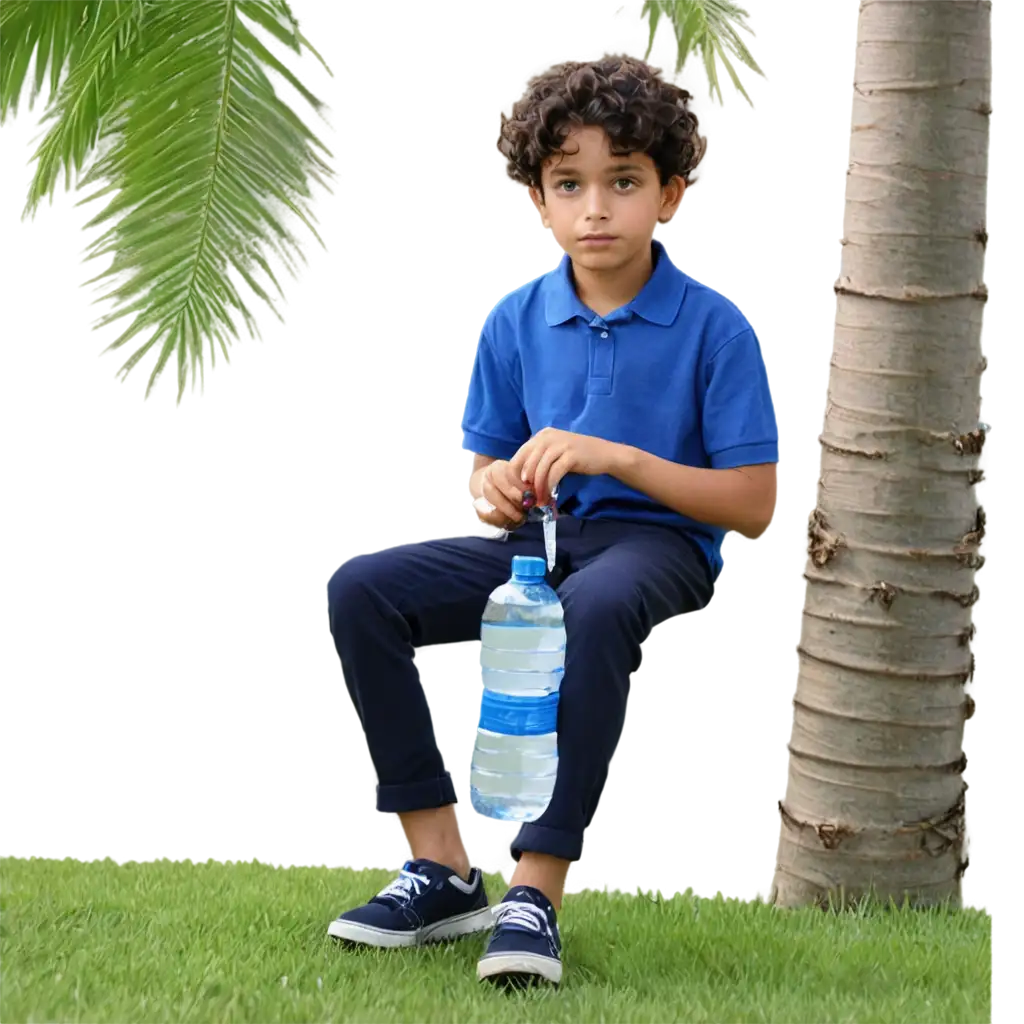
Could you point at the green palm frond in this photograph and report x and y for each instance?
(707, 27)
(57, 30)
(111, 33)
(203, 160)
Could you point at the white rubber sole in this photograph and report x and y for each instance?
(493, 966)
(450, 928)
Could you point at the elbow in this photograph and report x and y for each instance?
(760, 510)
(754, 530)
(755, 525)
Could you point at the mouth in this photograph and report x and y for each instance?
(597, 239)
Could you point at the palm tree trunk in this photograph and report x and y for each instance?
(875, 798)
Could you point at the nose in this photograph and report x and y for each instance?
(596, 205)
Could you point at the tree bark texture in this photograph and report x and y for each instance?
(875, 797)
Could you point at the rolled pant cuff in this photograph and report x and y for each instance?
(553, 841)
(416, 796)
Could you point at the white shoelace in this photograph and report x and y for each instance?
(407, 885)
(526, 915)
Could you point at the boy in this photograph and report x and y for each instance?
(641, 397)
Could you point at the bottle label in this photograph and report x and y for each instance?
(518, 716)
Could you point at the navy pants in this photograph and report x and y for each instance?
(616, 582)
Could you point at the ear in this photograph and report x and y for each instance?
(671, 197)
(536, 201)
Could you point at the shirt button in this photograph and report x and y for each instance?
(604, 334)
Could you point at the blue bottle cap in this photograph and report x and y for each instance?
(528, 566)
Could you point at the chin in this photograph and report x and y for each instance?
(598, 260)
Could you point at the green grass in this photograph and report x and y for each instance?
(177, 941)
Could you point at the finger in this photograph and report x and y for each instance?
(532, 461)
(558, 470)
(512, 497)
(502, 504)
(519, 459)
(484, 512)
(507, 481)
(496, 519)
(503, 512)
(540, 476)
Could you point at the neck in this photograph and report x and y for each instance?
(605, 290)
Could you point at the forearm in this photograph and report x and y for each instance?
(740, 499)
(480, 464)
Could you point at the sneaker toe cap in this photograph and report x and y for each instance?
(376, 915)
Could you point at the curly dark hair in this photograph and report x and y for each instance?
(624, 96)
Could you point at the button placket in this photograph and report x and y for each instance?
(602, 358)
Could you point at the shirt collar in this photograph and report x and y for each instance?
(658, 301)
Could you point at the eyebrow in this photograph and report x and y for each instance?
(614, 169)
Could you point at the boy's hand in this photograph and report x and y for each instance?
(502, 489)
(551, 453)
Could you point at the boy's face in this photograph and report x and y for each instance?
(603, 208)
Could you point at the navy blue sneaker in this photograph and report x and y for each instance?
(426, 903)
(525, 946)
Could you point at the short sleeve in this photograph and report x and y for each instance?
(494, 422)
(739, 418)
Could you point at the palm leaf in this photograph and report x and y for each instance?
(84, 99)
(202, 163)
(218, 177)
(52, 29)
(707, 27)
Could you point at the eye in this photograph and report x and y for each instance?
(628, 182)
(561, 186)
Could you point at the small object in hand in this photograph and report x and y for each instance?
(550, 515)
(529, 499)
(483, 506)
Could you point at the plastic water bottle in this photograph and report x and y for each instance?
(522, 656)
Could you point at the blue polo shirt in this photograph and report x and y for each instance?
(784, 289)
(676, 372)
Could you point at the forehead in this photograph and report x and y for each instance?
(589, 148)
